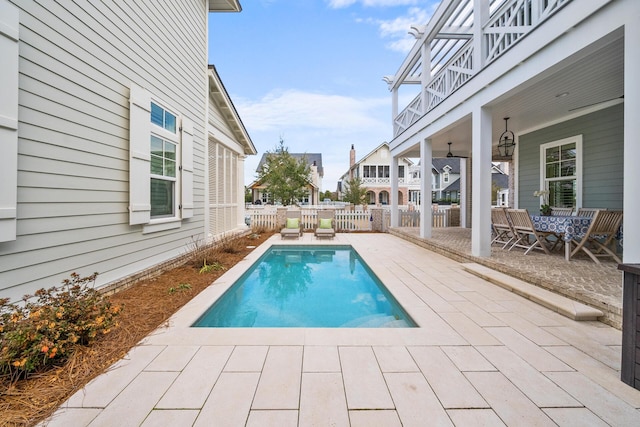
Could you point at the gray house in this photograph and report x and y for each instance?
(560, 75)
(107, 139)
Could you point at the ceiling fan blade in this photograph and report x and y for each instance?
(596, 103)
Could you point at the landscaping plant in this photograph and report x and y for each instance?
(43, 329)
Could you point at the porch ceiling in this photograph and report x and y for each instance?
(586, 80)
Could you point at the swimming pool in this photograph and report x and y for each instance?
(307, 286)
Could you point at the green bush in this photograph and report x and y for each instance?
(43, 329)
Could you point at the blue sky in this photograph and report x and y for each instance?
(310, 71)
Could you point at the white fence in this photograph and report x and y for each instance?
(357, 220)
(344, 220)
(440, 217)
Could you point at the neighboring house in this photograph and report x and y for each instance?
(445, 185)
(373, 171)
(499, 186)
(564, 72)
(107, 139)
(260, 195)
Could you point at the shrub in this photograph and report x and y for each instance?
(231, 245)
(44, 328)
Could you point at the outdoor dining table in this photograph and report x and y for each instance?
(566, 226)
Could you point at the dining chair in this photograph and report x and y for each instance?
(502, 229)
(293, 224)
(524, 230)
(561, 211)
(588, 212)
(602, 230)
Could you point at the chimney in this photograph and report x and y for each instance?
(352, 157)
(352, 161)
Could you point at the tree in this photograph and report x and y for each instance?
(285, 177)
(327, 195)
(354, 192)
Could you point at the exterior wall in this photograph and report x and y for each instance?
(602, 172)
(77, 63)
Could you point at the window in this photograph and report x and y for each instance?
(160, 164)
(368, 171)
(445, 177)
(383, 171)
(401, 171)
(561, 171)
(164, 146)
(224, 197)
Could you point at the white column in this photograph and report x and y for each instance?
(464, 192)
(394, 104)
(481, 181)
(480, 16)
(631, 252)
(240, 181)
(426, 160)
(393, 178)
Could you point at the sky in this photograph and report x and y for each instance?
(310, 72)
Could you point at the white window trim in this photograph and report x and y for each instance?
(577, 139)
(9, 41)
(140, 131)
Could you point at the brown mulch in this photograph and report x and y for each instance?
(147, 305)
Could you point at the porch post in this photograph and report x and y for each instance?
(464, 193)
(481, 182)
(631, 206)
(393, 178)
(426, 160)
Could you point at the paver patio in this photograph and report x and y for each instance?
(481, 356)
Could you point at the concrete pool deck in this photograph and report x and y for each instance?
(482, 356)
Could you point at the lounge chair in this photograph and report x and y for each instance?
(561, 211)
(603, 229)
(524, 229)
(502, 229)
(293, 225)
(326, 220)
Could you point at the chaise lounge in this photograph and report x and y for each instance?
(293, 225)
(326, 220)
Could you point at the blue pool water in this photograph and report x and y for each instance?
(307, 286)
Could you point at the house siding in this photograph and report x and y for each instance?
(602, 144)
(76, 64)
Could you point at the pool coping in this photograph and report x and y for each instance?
(178, 329)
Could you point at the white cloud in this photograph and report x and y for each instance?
(315, 123)
(311, 110)
(397, 29)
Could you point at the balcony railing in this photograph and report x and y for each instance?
(452, 55)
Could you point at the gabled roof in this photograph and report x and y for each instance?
(500, 180)
(452, 162)
(371, 153)
(311, 157)
(221, 97)
(224, 6)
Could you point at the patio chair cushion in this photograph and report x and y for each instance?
(293, 223)
(325, 223)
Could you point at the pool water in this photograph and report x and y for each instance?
(307, 286)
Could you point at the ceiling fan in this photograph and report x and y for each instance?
(451, 155)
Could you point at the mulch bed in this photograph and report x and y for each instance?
(147, 305)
